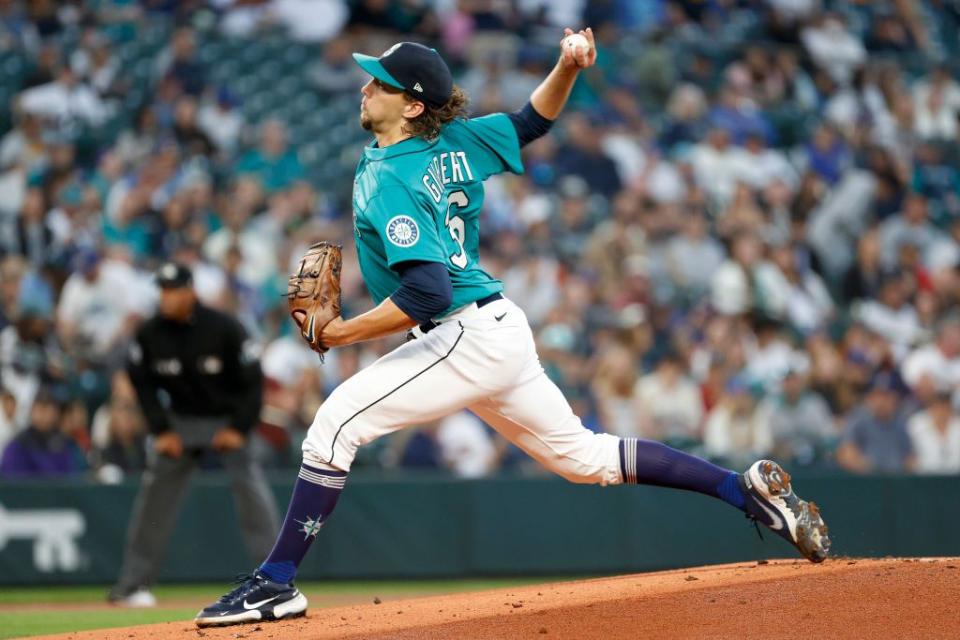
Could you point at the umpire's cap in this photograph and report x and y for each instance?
(418, 70)
(173, 275)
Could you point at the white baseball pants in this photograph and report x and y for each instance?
(482, 359)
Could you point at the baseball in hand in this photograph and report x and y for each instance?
(575, 40)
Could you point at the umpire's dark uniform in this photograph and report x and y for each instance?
(196, 375)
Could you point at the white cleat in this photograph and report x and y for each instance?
(771, 501)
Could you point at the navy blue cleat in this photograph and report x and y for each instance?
(256, 598)
(772, 502)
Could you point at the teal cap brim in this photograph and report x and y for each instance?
(372, 66)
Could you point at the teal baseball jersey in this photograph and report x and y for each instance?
(421, 200)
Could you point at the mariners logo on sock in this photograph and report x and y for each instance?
(310, 526)
(403, 231)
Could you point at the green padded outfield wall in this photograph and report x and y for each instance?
(421, 526)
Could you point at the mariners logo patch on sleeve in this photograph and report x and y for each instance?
(403, 231)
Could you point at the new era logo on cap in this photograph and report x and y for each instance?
(417, 87)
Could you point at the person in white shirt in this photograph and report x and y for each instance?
(669, 402)
(717, 166)
(936, 365)
(760, 165)
(96, 311)
(833, 47)
(891, 316)
(746, 282)
(736, 430)
(65, 101)
(936, 102)
(222, 121)
(935, 434)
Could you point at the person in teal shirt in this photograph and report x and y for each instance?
(417, 196)
(273, 163)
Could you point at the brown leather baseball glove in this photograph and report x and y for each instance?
(313, 292)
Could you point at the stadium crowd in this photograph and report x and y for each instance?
(743, 237)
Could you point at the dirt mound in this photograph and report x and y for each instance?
(842, 598)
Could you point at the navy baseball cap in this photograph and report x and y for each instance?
(418, 70)
(173, 275)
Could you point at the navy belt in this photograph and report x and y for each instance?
(430, 325)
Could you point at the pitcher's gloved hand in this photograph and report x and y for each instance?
(313, 292)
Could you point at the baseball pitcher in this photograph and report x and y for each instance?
(417, 196)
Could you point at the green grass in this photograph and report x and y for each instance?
(15, 624)
(34, 623)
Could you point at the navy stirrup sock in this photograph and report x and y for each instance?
(314, 496)
(654, 463)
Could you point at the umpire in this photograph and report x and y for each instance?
(200, 387)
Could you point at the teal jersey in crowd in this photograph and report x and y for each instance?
(421, 200)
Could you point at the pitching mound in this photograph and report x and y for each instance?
(842, 598)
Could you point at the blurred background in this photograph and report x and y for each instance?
(742, 238)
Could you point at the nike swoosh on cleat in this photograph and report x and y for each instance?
(500, 317)
(777, 520)
(255, 605)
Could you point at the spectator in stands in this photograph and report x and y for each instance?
(762, 166)
(335, 71)
(809, 306)
(222, 121)
(669, 405)
(833, 47)
(583, 156)
(180, 62)
(685, 116)
(125, 450)
(875, 439)
(12, 270)
(613, 386)
(9, 426)
(32, 236)
(693, 256)
(136, 144)
(716, 166)
(42, 449)
(891, 315)
(23, 148)
(66, 101)
(191, 138)
(273, 163)
(746, 282)
(97, 313)
(16, 30)
(800, 421)
(936, 103)
(29, 356)
(936, 365)
(95, 65)
(735, 430)
(827, 155)
(890, 35)
(911, 226)
(258, 260)
(935, 436)
(862, 280)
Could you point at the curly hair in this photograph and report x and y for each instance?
(428, 124)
